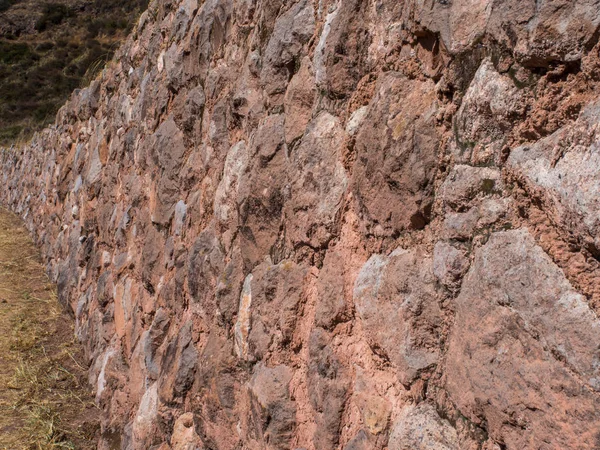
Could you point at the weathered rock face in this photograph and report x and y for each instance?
(519, 323)
(333, 225)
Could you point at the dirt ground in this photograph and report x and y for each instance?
(45, 401)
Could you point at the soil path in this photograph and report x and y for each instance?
(44, 397)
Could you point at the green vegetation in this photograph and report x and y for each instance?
(72, 42)
(53, 14)
(6, 4)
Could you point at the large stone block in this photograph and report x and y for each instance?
(397, 302)
(509, 364)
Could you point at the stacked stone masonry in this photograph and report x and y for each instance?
(351, 224)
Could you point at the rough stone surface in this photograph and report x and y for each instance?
(396, 301)
(396, 153)
(421, 428)
(513, 313)
(561, 169)
(332, 225)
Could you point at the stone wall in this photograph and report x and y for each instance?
(333, 225)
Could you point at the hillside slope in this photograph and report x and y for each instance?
(333, 225)
(48, 49)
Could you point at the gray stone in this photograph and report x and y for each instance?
(563, 169)
(397, 303)
(275, 420)
(421, 428)
(319, 182)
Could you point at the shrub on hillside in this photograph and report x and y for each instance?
(5, 4)
(53, 14)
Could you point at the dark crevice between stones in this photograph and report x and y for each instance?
(593, 250)
(292, 67)
(477, 432)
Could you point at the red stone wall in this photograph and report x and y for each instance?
(320, 225)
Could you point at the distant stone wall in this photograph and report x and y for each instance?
(320, 225)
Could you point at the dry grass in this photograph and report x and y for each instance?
(44, 400)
